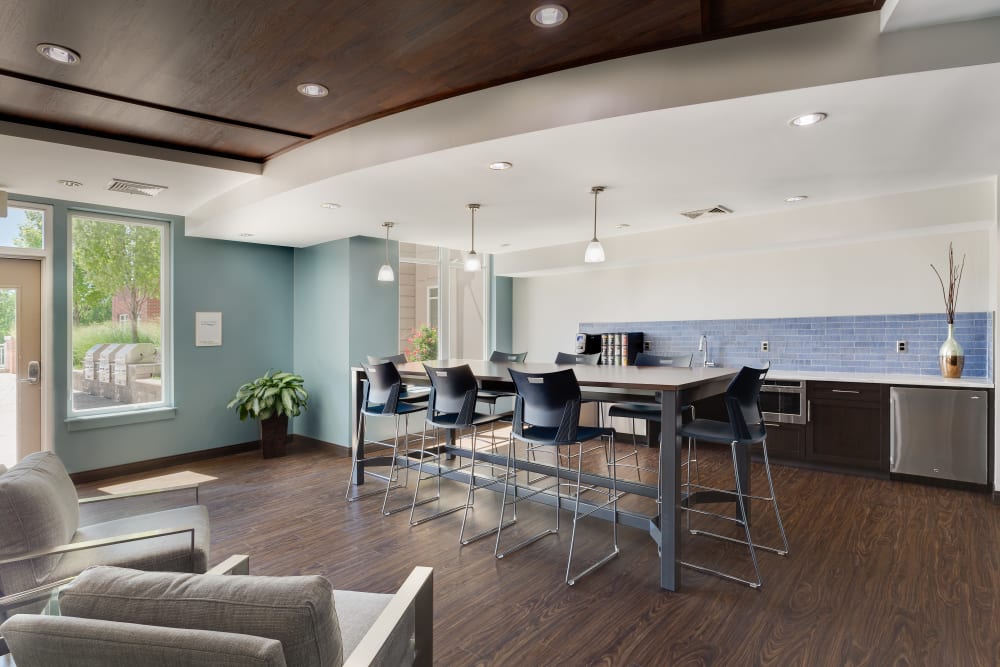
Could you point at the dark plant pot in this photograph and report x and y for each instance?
(273, 434)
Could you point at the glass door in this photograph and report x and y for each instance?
(20, 355)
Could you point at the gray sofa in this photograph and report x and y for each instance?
(42, 538)
(114, 616)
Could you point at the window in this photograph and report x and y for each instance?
(24, 227)
(119, 336)
(432, 306)
(418, 285)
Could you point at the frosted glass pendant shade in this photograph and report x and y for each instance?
(473, 262)
(595, 252)
(386, 274)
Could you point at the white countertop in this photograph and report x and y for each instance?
(883, 378)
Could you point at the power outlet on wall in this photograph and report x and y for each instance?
(764, 346)
(647, 345)
(900, 346)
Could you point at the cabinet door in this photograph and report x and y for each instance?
(845, 433)
(786, 441)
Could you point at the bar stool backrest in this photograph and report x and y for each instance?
(382, 386)
(511, 357)
(678, 361)
(453, 391)
(547, 400)
(742, 403)
(578, 359)
(394, 358)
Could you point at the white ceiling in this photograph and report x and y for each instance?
(890, 134)
(30, 166)
(893, 134)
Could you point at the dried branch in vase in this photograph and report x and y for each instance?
(954, 280)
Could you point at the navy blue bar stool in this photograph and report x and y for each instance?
(745, 428)
(578, 359)
(407, 394)
(547, 414)
(489, 396)
(381, 399)
(647, 411)
(452, 407)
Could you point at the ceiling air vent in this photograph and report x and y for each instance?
(714, 211)
(134, 188)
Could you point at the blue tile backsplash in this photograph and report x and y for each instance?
(860, 344)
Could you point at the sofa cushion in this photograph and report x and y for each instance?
(297, 611)
(38, 510)
(63, 641)
(171, 553)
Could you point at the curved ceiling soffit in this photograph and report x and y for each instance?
(814, 54)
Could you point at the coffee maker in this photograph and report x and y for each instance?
(588, 343)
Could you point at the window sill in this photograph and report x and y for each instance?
(120, 419)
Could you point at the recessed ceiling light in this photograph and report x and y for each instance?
(504, 245)
(795, 198)
(60, 54)
(500, 166)
(549, 16)
(808, 119)
(69, 184)
(329, 204)
(623, 225)
(313, 89)
(245, 235)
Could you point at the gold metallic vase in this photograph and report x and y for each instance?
(951, 356)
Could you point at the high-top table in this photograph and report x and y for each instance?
(676, 386)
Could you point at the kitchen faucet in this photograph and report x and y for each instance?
(703, 348)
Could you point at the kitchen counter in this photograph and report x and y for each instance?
(883, 378)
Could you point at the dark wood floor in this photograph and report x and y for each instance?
(880, 573)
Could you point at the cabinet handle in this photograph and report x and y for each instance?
(845, 391)
(809, 411)
(770, 425)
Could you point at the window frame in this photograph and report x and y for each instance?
(166, 401)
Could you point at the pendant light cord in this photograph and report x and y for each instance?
(473, 229)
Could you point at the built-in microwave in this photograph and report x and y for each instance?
(783, 401)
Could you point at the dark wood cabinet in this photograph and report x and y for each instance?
(847, 425)
(786, 442)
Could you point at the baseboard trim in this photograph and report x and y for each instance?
(996, 497)
(148, 465)
(135, 467)
(338, 450)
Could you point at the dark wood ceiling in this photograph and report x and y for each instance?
(218, 76)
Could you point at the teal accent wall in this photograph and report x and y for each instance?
(503, 314)
(342, 313)
(250, 284)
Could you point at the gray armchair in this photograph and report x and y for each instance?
(114, 616)
(42, 541)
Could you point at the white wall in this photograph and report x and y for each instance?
(854, 258)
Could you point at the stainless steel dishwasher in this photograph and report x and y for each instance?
(939, 433)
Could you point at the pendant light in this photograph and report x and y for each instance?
(595, 251)
(385, 273)
(473, 262)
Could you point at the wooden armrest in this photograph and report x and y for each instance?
(134, 494)
(417, 591)
(235, 564)
(101, 542)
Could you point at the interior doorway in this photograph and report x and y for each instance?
(20, 357)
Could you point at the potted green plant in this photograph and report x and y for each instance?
(271, 400)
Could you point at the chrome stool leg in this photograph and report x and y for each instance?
(774, 501)
(613, 502)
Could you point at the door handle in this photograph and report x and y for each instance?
(809, 411)
(34, 373)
